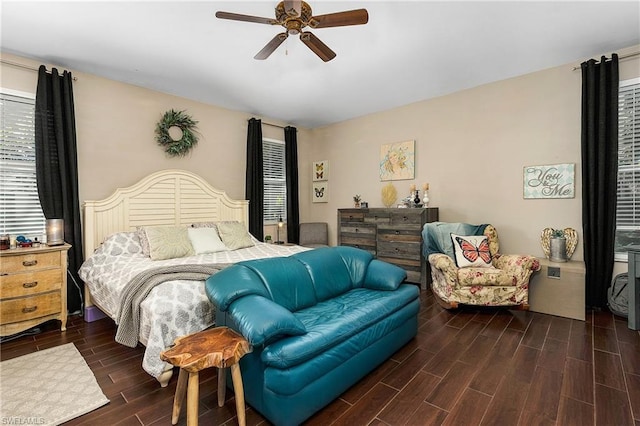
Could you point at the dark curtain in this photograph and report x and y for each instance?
(599, 174)
(255, 178)
(291, 160)
(57, 167)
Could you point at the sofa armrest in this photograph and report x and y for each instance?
(260, 320)
(515, 262)
(232, 283)
(383, 276)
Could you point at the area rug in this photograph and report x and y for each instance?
(48, 387)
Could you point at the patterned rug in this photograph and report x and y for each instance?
(48, 387)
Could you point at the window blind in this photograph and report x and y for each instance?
(275, 181)
(20, 211)
(628, 207)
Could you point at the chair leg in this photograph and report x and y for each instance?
(181, 390)
(239, 393)
(193, 390)
(446, 305)
(222, 386)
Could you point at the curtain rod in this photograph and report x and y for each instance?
(273, 125)
(26, 67)
(629, 55)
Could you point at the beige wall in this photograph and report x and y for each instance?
(471, 147)
(115, 125)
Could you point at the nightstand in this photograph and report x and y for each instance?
(558, 289)
(33, 287)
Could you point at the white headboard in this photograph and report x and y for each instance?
(167, 197)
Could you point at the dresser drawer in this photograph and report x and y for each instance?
(377, 216)
(407, 218)
(29, 283)
(406, 233)
(351, 216)
(30, 262)
(402, 250)
(26, 308)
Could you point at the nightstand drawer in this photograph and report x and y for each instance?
(26, 308)
(29, 283)
(30, 262)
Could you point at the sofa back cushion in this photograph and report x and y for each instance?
(287, 281)
(329, 272)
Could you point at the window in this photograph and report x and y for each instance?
(275, 181)
(20, 211)
(628, 206)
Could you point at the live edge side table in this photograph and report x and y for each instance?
(218, 347)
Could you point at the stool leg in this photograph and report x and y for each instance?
(181, 390)
(222, 386)
(239, 393)
(192, 399)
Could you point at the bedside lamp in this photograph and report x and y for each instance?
(280, 225)
(55, 232)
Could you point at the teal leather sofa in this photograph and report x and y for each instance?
(318, 321)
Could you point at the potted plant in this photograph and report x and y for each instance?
(558, 246)
(267, 238)
(356, 201)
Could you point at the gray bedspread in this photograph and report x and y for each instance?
(140, 286)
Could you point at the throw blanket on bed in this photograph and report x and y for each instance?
(140, 286)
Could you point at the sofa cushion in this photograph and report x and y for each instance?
(333, 321)
(286, 279)
(485, 277)
(328, 271)
(232, 283)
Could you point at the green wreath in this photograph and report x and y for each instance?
(186, 124)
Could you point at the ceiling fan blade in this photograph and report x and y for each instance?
(271, 46)
(340, 19)
(293, 7)
(245, 18)
(317, 46)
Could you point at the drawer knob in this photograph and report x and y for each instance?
(30, 285)
(350, 217)
(405, 218)
(30, 263)
(397, 232)
(396, 249)
(29, 309)
(357, 230)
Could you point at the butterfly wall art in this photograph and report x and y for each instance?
(320, 171)
(320, 192)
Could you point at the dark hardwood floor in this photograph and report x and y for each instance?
(466, 367)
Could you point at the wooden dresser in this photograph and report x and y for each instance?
(33, 287)
(392, 235)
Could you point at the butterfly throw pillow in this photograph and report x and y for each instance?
(471, 251)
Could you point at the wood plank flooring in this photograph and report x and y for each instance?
(466, 367)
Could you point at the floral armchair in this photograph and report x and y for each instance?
(467, 267)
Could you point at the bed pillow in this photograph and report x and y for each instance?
(144, 241)
(213, 225)
(471, 251)
(205, 240)
(234, 235)
(122, 244)
(168, 242)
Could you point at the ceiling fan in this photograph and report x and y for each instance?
(294, 15)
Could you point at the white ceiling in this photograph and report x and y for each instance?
(409, 51)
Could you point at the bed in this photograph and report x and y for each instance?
(169, 299)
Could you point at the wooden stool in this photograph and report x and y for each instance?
(218, 347)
